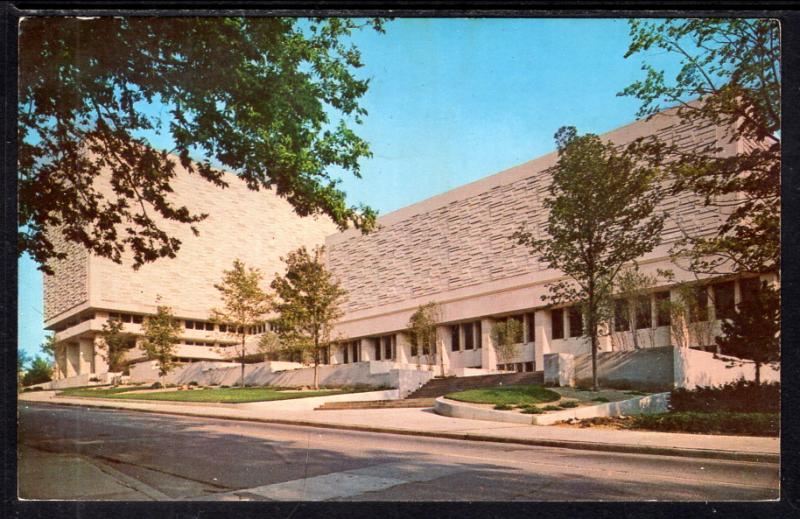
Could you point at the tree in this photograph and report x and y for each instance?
(309, 304)
(729, 76)
(115, 342)
(39, 371)
(270, 99)
(245, 305)
(269, 344)
(632, 289)
(422, 331)
(160, 337)
(506, 336)
(22, 359)
(48, 347)
(601, 217)
(754, 330)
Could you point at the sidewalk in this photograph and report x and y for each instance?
(423, 422)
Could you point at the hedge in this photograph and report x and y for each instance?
(741, 396)
(748, 424)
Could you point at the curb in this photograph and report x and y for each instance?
(565, 444)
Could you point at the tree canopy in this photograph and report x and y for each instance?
(271, 99)
(730, 76)
(601, 204)
(160, 337)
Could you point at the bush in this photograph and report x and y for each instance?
(600, 399)
(502, 407)
(193, 383)
(156, 385)
(750, 424)
(552, 408)
(569, 404)
(737, 397)
(224, 386)
(532, 410)
(94, 379)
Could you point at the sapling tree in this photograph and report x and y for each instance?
(423, 335)
(601, 204)
(309, 302)
(115, 342)
(160, 337)
(507, 336)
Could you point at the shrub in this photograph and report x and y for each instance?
(193, 383)
(94, 379)
(741, 396)
(552, 408)
(600, 399)
(171, 385)
(156, 385)
(224, 386)
(751, 424)
(502, 407)
(569, 404)
(532, 410)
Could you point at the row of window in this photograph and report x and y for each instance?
(516, 366)
(201, 343)
(350, 351)
(125, 318)
(199, 325)
(385, 347)
(471, 333)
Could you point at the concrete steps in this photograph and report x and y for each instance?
(378, 404)
(441, 386)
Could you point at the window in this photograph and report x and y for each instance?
(529, 366)
(388, 347)
(223, 328)
(455, 338)
(478, 335)
(643, 313)
(346, 351)
(209, 326)
(575, 322)
(749, 287)
(189, 325)
(469, 336)
(621, 323)
(137, 319)
(663, 317)
(724, 304)
(699, 307)
(414, 350)
(557, 317)
(530, 328)
(519, 337)
(377, 345)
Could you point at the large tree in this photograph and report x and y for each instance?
(729, 75)
(309, 304)
(271, 99)
(601, 205)
(244, 305)
(40, 370)
(160, 337)
(754, 330)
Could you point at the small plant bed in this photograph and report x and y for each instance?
(506, 396)
(227, 395)
(585, 396)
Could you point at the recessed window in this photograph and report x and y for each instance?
(469, 336)
(478, 335)
(699, 307)
(575, 321)
(643, 314)
(223, 328)
(749, 288)
(621, 323)
(663, 317)
(137, 319)
(724, 304)
(377, 346)
(519, 335)
(209, 327)
(557, 316)
(529, 366)
(530, 327)
(455, 338)
(346, 351)
(388, 346)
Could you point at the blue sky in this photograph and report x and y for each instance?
(454, 100)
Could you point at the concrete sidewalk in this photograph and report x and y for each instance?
(423, 422)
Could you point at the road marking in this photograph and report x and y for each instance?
(348, 483)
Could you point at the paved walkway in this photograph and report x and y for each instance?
(424, 422)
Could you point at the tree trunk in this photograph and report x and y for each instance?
(241, 359)
(758, 373)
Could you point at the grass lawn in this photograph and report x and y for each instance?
(224, 395)
(506, 395)
(99, 392)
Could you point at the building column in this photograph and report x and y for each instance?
(543, 328)
(403, 348)
(100, 363)
(85, 356)
(72, 356)
(488, 351)
(443, 345)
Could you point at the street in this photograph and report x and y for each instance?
(69, 452)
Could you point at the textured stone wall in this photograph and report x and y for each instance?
(68, 286)
(462, 238)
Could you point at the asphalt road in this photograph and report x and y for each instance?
(93, 454)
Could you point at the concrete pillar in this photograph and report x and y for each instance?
(403, 348)
(443, 347)
(488, 351)
(85, 356)
(543, 327)
(72, 350)
(100, 363)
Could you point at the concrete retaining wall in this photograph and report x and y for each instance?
(311, 403)
(648, 369)
(700, 368)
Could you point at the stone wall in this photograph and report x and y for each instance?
(462, 238)
(68, 286)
